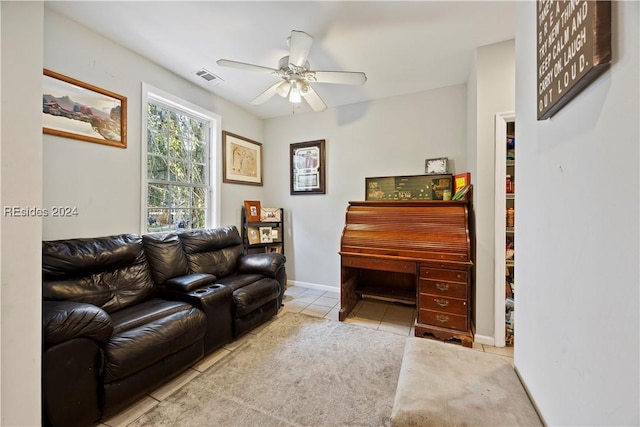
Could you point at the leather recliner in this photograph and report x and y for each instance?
(124, 314)
(108, 338)
(257, 281)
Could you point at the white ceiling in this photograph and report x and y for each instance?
(403, 47)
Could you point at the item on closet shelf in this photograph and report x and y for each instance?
(509, 184)
(511, 213)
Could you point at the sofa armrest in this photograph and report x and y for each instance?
(66, 320)
(190, 282)
(268, 264)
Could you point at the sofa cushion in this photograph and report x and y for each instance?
(146, 312)
(253, 296)
(212, 251)
(109, 272)
(165, 255)
(168, 328)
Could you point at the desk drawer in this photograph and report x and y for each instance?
(443, 320)
(445, 289)
(379, 264)
(450, 275)
(440, 303)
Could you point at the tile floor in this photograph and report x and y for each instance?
(375, 314)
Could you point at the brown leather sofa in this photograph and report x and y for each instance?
(124, 314)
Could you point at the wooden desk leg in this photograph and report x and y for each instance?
(348, 296)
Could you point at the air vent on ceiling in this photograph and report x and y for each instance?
(208, 77)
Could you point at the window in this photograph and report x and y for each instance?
(178, 167)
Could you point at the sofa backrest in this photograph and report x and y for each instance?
(212, 251)
(110, 272)
(165, 256)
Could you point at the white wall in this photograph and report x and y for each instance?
(21, 177)
(103, 182)
(387, 137)
(493, 78)
(577, 222)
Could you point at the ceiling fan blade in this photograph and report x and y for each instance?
(267, 94)
(339, 77)
(299, 47)
(244, 66)
(314, 100)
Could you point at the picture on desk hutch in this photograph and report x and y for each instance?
(410, 187)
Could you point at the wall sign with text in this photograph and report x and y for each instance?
(574, 48)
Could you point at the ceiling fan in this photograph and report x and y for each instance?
(296, 75)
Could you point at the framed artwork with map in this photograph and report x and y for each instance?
(241, 160)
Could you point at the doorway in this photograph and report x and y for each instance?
(505, 231)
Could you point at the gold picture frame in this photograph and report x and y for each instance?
(78, 110)
(253, 235)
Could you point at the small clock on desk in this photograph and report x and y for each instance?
(436, 166)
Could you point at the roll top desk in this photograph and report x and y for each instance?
(414, 252)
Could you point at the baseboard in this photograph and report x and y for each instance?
(484, 339)
(313, 286)
(533, 401)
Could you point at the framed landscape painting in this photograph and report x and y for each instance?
(78, 110)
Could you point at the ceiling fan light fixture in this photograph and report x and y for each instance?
(284, 88)
(296, 74)
(294, 94)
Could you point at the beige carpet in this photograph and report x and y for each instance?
(447, 385)
(300, 371)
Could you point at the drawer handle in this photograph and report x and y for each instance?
(442, 318)
(459, 276)
(441, 302)
(442, 286)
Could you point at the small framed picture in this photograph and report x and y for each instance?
(253, 235)
(270, 215)
(265, 235)
(273, 249)
(276, 235)
(252, 210)
(437, 166)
